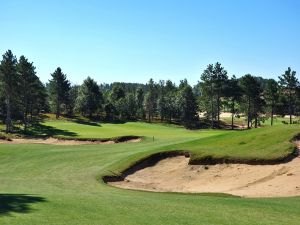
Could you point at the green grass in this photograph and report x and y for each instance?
(46, 184)
(265, 144)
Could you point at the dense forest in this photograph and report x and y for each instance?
(23, 97)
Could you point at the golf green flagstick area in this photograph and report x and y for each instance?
(52, 184)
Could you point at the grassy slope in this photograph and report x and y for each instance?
(266, 143)
(269, 143)
(67, 177)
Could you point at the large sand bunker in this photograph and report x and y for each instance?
(173, 174)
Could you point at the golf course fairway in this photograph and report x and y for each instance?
(62, 184)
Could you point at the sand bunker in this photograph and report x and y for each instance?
(55, 141)
(175, 175)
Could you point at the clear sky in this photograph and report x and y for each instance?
(132, 41)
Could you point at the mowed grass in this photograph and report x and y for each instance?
(108, 130)
(268, 143)
(47, 184)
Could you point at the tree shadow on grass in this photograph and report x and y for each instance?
(18, 203)
(86, 122)
(41, 130)
(114, 121)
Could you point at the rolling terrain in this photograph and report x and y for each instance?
(62, 184)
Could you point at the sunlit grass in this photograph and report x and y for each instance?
(68, 178)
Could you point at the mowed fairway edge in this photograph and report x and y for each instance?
(63, 183)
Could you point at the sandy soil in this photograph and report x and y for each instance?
(222, 115)
(54, 141)
(175, 175)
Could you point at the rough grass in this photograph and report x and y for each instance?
(45, 184)
(262, 144)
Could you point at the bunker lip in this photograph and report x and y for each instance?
(159, 171)
(70, 141)
(143, 163)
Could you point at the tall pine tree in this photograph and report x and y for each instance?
(9, 79)
(59, 90)
(89, 97)
(271, 96)
(29, 88)
(289, 83)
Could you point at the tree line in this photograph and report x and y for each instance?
(23, 97)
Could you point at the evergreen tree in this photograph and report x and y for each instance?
(289, 83)
(162, 101)
(59, 90)
(139, 102)
(40, 96)
(220, 83)
(150, 100)
(297, 104)
(233, 92)
(30, 92)
(252, 93)
(214, 79)
(9, 82)
(188, 105)
(171, 107)
(109, 110)
(117, 93)
(89, 97)
(117, 98)
(271, 96)
(130, 106)
(72, 99)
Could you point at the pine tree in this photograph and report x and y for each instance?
(233, 92)
(29, 87)
(289, 83)
(214, 79)
(272, 95)
(252, 92)
(89, 97)
(171, 106)
(220, 83)
(139, 102)
(188, 105)
(59, 90)
(9, 80)
(117, 98)
(150, 100)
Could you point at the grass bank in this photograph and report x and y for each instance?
(46, 184)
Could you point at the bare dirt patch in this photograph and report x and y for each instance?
(173, 174)
(56, 141)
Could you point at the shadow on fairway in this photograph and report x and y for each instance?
(18, 203)
(116, 121)
(43, 130)
(85, 122)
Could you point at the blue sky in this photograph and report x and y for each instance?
(132, 41)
